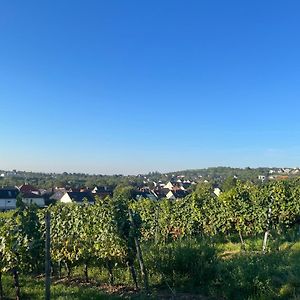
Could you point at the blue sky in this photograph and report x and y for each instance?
(137, 86)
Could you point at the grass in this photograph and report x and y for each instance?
(33, 288)
(253, 275)
(173, 270)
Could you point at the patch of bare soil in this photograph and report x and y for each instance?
(116, 290)
(128, 292)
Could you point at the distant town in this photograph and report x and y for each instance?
(43, 189)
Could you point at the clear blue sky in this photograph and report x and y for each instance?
(136, 86)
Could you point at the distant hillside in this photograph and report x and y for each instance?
(215, 174)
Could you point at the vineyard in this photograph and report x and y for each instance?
(244, 244)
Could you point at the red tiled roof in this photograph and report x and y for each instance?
(28, 188)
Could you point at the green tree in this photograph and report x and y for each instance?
(229, 183)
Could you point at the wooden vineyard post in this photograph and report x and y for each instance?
(139, 255)
(47, 257)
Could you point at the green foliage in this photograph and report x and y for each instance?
(34, 289)
(123, 191)
(148, 211)
(77, 180)
(177, 238)
(19, 203)
(100, 234)
(229, 183)
(21, 243)
(260, 276)
(88, 233)
(185, 264)
(282, 199)
(242, 209)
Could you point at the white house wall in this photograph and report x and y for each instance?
(170, 196)
(38, 201)
(66, 198)
(6, 204)
(169, 186)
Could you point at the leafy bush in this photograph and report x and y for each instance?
(184, 264)
(259, 276)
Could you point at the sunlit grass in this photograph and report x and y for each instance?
(33, 288)
(239, 274)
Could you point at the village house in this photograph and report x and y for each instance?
(77, 197)
(8, 198)
(57, 194)
(145, 195)
(102, 191)
(217, 191)
(262, 178)
(31, 198)
(31, 195)
(170, 195)
(28, 188)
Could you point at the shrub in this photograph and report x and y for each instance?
(184, 264)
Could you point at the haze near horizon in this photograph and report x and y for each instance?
(131, 87)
